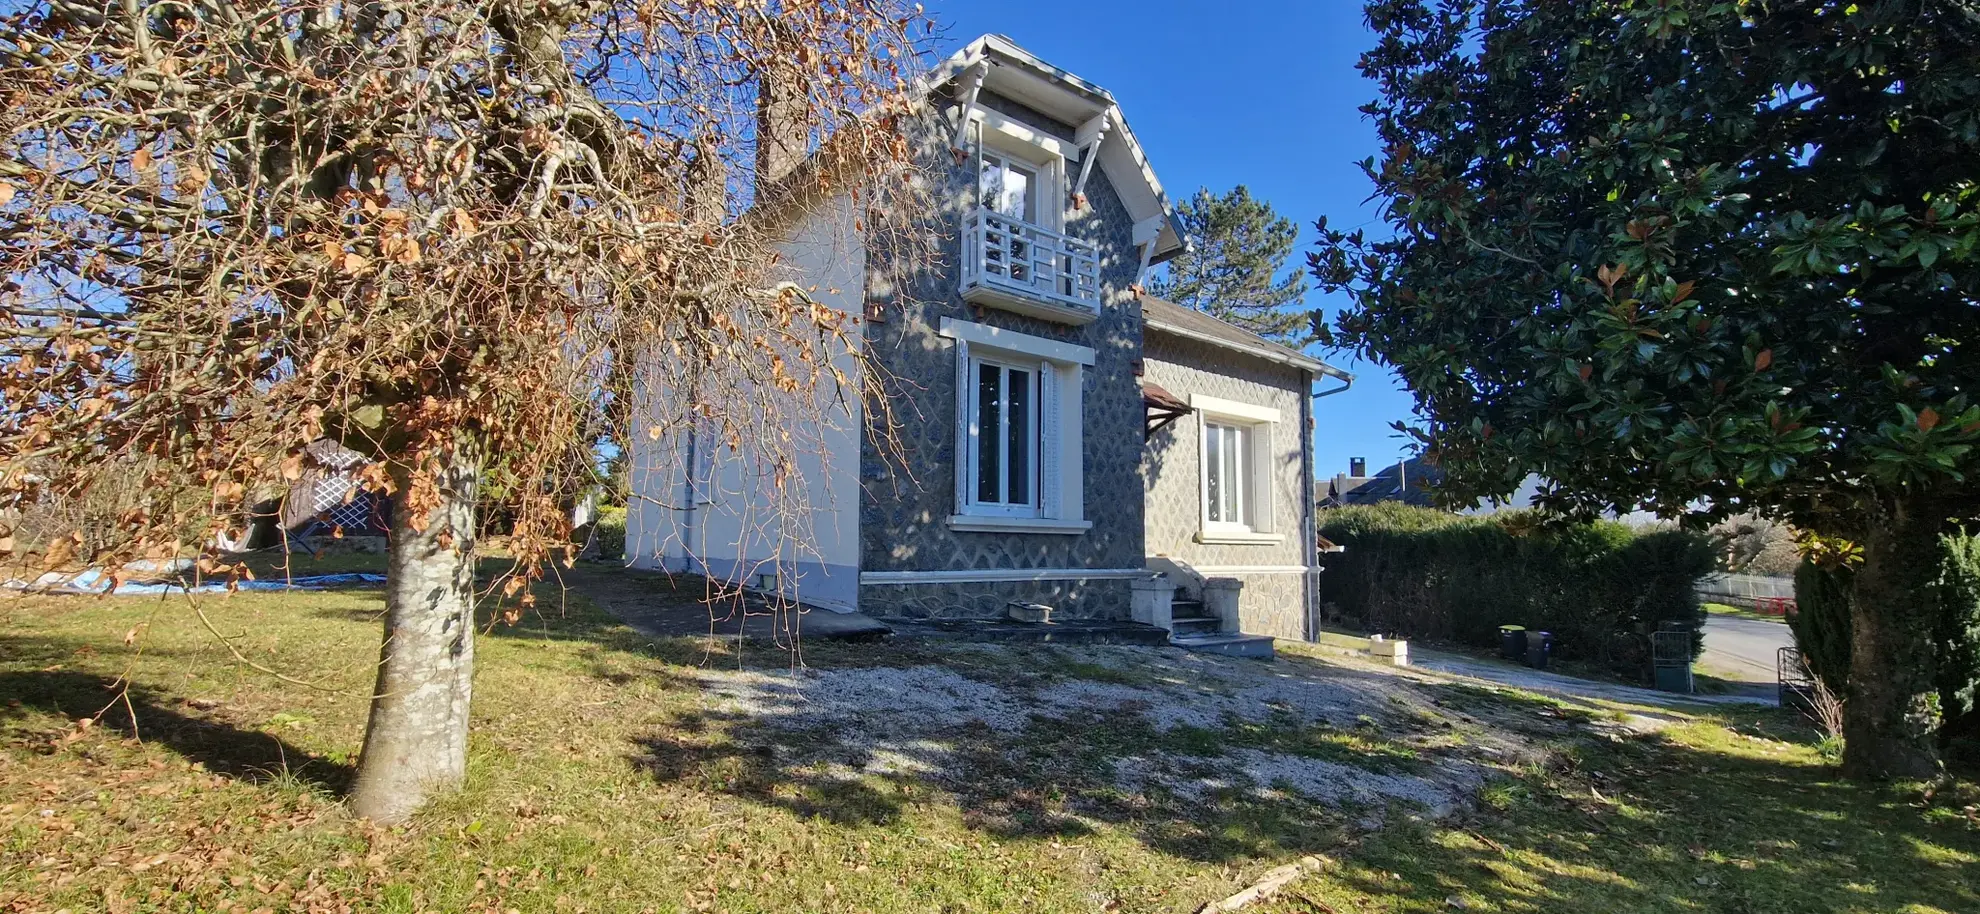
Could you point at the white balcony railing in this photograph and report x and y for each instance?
(1026, 268)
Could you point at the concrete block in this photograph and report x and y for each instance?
(1154, 601)
(1028, 612)
(1220, 602)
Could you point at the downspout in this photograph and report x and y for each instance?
(1308, 543)
(1311, 533)
(688, 492)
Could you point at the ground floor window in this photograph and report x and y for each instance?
(1238, 459)
(1004, 440)
(1018, 412)
(1226, 455)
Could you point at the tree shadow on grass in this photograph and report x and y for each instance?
(1670, 827)
(695, 750)
(1053, 779)
(1615, 820)
(151, 716)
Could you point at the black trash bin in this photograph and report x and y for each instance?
(1512, 643)
(1539, 647)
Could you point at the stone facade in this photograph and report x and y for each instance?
(1276, 601)
(907, 465)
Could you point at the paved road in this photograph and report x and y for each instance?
(1743, 650)
(1519, 677)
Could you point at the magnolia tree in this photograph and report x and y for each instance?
(1702, 258)
(453, 235)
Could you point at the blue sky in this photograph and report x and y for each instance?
(1255, 92)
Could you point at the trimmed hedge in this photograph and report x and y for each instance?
(1600, 588)
(1822, 628)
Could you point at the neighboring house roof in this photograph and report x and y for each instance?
(1018, 74)
(1408, 482)
(1169, 317)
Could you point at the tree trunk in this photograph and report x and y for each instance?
(1892, 713)
(416, 742)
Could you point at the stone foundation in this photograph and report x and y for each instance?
(1273, 604)
(1086, 600)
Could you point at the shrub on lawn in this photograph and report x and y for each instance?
(1601, 588)
(610, 534)
(1822, 627)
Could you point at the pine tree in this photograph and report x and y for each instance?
(1238, 251)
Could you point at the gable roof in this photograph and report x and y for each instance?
(1409, 482)
(1168, 317)
(1021, 76)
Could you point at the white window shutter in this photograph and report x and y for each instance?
(965, 400)
(1048, 438)
(1261, 474)
(1202, 471)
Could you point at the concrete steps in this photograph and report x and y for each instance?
(1191, 627)
(1194, 625)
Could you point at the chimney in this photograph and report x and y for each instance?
(783, 115)
(1357, 466)
(707, 184)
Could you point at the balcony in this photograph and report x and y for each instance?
(1017, 266)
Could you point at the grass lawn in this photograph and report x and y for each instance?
(611, 772)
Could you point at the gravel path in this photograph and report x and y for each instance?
(1340, 734)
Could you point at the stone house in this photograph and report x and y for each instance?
(1061, 439)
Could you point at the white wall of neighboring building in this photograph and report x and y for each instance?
(702, 506)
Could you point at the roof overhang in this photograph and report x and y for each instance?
(1270, 354)
(1021, 76)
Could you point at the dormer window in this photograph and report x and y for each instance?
(1008, 187)
(1015, 256)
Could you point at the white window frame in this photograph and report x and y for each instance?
(1256, 426)
(1045, 154)
(1234, 446)
(1029, 502)
(1034, 206)
(1057, 470)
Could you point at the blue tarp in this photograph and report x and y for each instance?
(91, 582)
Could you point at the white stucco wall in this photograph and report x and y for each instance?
(728, 524)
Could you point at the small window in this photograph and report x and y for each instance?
(1004, 439)
(1226, 464)
(1008, 187)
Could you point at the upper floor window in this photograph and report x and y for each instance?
(1008, 186)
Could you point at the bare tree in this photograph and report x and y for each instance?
(453, 235)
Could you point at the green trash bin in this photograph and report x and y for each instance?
(1670, 661)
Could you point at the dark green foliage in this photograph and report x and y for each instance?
(1821, 622)
(1238, 251)
(1958, 634)
(610, 533)
(1693, 257)
(1601, 587)
(1822, 627)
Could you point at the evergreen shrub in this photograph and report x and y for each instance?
(1601, 588)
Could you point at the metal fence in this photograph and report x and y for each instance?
(1746, 590)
